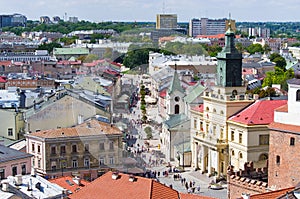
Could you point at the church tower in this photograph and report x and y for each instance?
(174, 98)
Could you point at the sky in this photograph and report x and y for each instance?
(146, 10)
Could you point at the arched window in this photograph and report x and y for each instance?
(298, 95)
(234, 93)
(263, 157)
(241, 155)
(232, 153)
(176, 109)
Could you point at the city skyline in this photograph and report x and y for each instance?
(141, 10)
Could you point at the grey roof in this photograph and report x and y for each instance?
(257, 64)
(294, 81)
(176, 120)
(8, 154)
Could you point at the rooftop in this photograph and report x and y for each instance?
(8, 154)
(125, 186)
(71, 184)
(259, 113)
(89, 128)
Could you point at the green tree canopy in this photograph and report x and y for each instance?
(279, 60)
(49, 46)
(253, 48)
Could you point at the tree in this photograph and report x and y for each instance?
(148, 131)
(49, 47)
(279, 60)
(279, 76)
(267, 49)
(253, 48)
(240, 47)
(90, 58)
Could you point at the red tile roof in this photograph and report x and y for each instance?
(272, 194)
(72, 186)
(259, 113)
(3, 80)
(163, 93)
(193, 196)
(284, 127)
(199, 108)
(283, 108)
(89, 128)
(5, 63)
(105, 187)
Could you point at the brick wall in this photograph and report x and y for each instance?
(284, 169)
(250, 181)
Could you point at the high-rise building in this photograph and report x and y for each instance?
(205, 26)
(194, 27)
(166, 21)
(12, 20)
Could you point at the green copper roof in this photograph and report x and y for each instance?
(70, 51)
(176, 120)
(175, 84)
(196, 91)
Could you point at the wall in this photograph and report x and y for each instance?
(246, 181)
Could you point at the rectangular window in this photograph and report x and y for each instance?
(221, 133)
(195, 124)
(39, 149)
(232, 136)
(32, 147)
(10, 132)
(292, 141)
(87, 162)
(86, 147)
(74, 148)
(240, 138)
(23, 167)
(2, 174)
(101, 161)
(74, 163)
(111, 146)
(277, 159)
(39, 163)
(263, 139)
(101, 146)
(14, 170)
(53, 150)
(111, 160)
(62, 150)
(201, 126)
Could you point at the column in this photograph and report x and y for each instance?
(202, 165)
(209, 162)
(196, 154)
(218, 163)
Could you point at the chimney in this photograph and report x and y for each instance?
(77, 180)
(115, 175)
(19, 179)
(131, 178)
(5, 185)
